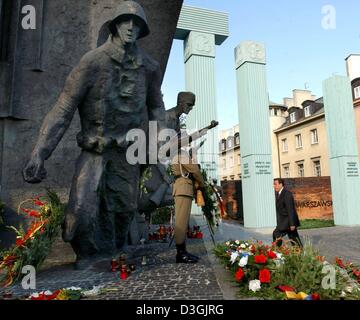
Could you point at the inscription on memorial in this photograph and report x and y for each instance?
(352, 169)
(246, 174)
(314, 204)
(262, 168)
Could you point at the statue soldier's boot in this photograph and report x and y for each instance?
(183, 256)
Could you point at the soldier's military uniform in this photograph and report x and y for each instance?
(114, 91)
(186, 174)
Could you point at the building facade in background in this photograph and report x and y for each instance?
(301, 142)
(298, 134)
(230, 160)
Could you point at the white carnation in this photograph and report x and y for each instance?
(243, 261)
(234, 256)
(254, 285)
(279, 255)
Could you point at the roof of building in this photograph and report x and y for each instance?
(353, 54)
(316, 109)
(273, 105)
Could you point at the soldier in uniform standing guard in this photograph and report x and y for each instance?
(187, 175)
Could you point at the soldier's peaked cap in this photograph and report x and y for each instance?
(127, 9)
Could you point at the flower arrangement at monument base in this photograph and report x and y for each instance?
(350, 268)
(285, 273)
(44, 217)
(72, 293)
(165, 233)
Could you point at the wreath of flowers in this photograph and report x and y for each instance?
(44, 215)
(286, 272)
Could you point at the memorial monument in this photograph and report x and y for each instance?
(255, 144)
(65, 31)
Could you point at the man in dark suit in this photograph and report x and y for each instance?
(287, 218)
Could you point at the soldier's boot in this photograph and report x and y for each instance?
(183, 256)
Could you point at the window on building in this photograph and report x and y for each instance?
(286, 171)
(317, 168)
(237, 139)
(224, 163)
(231, 162)
(357, 92)
(230, 143)
(307, 111)
(298, 141)
(285, 146)
(239, 159)
(223, 145)
(314, 137)
(292, 117)
(301, 170)
(275, 112)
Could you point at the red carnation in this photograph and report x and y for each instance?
(239, 275)
(9, 260)
(20, 242)
(38, 202)
(356, 273)
(340, 263)
(264, 276)
(31, 213)
(35, 214)
(260, 259)
(315, 296)
(285, 288)
(271, 254)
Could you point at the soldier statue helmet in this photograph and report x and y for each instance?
(130, 9)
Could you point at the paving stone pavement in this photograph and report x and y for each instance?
(160, 279)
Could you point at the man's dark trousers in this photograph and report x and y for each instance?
(293, 236)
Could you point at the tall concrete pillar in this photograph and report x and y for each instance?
(343, 150)
(255, 141)
(200, 78)
(202, 29)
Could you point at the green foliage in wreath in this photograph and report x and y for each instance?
(210, 208)
(38, 243)
(302, 270)
(162, 215)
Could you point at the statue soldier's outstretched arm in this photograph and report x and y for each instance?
(58, 121)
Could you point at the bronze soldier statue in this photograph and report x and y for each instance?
(159, 184)
(116, 88)
(185, 103)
